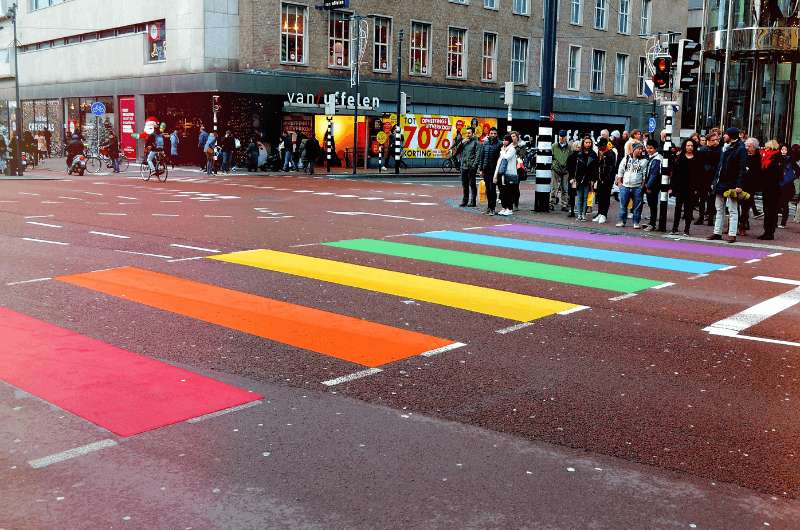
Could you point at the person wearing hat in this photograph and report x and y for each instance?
(559, 191)
(728, 184)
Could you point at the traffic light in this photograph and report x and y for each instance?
(687, 63)
(663, 67)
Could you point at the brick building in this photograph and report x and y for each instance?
(258, 66)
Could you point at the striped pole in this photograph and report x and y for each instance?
(666, 170)
(329, 155)
(544, 162)
(398, 148)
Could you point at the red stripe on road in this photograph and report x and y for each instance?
(118, 390)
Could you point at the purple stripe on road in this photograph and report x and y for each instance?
(657, 244)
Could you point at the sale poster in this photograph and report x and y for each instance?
(432, 135)
(127, 126)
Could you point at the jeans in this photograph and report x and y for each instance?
(733, 207)
(288, 161)
(115, 164)
(581, 198)
(226, 161)
(625, 194)
(151, 156)
(470, 187)
(209, 164)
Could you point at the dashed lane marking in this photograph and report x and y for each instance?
(165, 215)
(622, 297)
(71, 453)
(352, 377)
(200, 249)
(752, 261)
(43, 224)
(36, 280)
(784, 281)
(186, 259)
(223, 412)
(106, 234)
(574, 310)
(144, 254)
(111, 214)
(511, 329)
(39, 216)
(443, 349)
(45, 241)
(663, 285)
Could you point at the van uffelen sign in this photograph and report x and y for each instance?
(341, 100)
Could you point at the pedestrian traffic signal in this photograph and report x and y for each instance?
(663, 67)
(687, 63)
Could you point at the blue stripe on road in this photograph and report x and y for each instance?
(610, 256)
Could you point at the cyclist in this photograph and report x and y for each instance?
(112, 146)
(154, 145)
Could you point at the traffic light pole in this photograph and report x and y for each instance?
(666, 169)
(544, 141)
(12, 14)
(398, 148)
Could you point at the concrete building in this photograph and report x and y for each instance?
(259, 66)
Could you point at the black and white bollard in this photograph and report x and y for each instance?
(398, 149)
(329, 147)
(544, 163)
(666, 169)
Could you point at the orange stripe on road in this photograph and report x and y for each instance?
(351, 339)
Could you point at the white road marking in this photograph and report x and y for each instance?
(663, 286)
(112, 214)
(752, 261)
(45, 241)
(574, 310)
(437, 351)
(225, 411)
(398, 201)
(218, 216)
(304, 245)
(92, 193)
(52, 202)
(324, 193)
(303, 191)
(728, 268)
(516, 327)
(71, 198)
(623, 297)
(43, 224)
(165, 215)
(352, 377)
(144, 254)
(186, 259)
(370, 198)
(737, 244)
(279, 217)
(698, 276)
(201, 249)
(775, 255)
(756, 314)
(732, 334)
(346, 196)
(29, 281)
(27, 193)
(38, 216)
(106, 234)
(377, 215)
(71, 453)
(127, 198)
(474, 228)
(423, 203)
(777, 280)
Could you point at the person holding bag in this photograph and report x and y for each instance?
(506, 177)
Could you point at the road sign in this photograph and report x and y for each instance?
(649, 88)
(98, 108)
(652, 124)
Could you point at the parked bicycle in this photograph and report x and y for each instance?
(451, 164)
(96, 162)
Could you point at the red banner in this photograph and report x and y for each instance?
(127, 126)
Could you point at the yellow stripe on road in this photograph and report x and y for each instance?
(513, 306)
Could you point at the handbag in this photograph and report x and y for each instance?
(482, 192)
(511, 179)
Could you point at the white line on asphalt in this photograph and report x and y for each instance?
(777, 280)
(443, 349)
(144, 254)
(27, 193)
(45, 241)
(423, 203)
(38, 216)
(303, 191)
(473, 228)
(752, 261)
(726, 333)
(225, 411)
(106, 234)
(186, 259)
(71, 198)
(71, 453)
(92, 193)
(29, 281)
(775, 255)
(737, 244)
(165, 215)
(396, 235)
(756, 314)
(127, 198)
(506, 224)
(324, 193)
(663, 285)
(728, 268)
(574, 310)
(279, 217)
(352, 377)
(397, 201)
(112, 214)
(516, 327)
(52, 202)
(623, 297)
(201, 249)
(43, 224)
(697, 276)
(218, 216)
(305, 245)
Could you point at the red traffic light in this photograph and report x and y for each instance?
(663, 68)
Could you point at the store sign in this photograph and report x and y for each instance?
(41, 125)
(299, 123)
(339, 99)
(431, 136)
(127, 126)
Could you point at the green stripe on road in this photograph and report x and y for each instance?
(542, 271)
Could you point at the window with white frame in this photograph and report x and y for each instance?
(382, 45)
(576, 12)
(598, 70)
(624, 17)
(41, 4)
(338, 39)
(520, 7)
(647, 13)
(293, 33)
(465, 2)
(641, 76)
(621, 75)
(600, 11)
(519, 60)
(456, 53)
(541, 64)
(574, 68)
(489, 59)
(490, 4)
(420, 48)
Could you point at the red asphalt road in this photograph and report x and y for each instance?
(637, 379)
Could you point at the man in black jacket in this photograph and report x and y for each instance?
(729, 179)
(487, 163)
(710, 155)
(470, 148)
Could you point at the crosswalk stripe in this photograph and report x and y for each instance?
(348, 338)
(473, 298)
(608, 256)
(541, 271)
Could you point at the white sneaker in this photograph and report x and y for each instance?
(597, 219)
(620, 225)
(601, 219)
(637, 227)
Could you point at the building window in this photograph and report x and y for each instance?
(41, 4)
(621, 75)
(541, 64)
(624, 18)
(520, 7)
(489, 61)
(338, 39)
(641, 76)
(465, 2)
(600, 9)
(574, 68)
(382, 48)
(576, 12)
(490, 4)
(647, 12)
(293, 33)
(156, 42)
(598, 70)
(420, 48)
(456, 52)
(519, 60)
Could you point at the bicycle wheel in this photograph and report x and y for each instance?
(163, 172)
(144, 171)
(94, 164)
(447, 166)
(123, 163)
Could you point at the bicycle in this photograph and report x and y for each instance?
(95, 162)
(451, 165)
(160, 163)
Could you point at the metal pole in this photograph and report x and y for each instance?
(357, 23)
(18, 111)
(544, 153)
(723, 110)
(666, 170)
(697, 125)
(329, 146)
(398, 147)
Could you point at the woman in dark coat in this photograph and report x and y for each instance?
(790, 173)
(585, 175)
(772, 165)
(687, 184)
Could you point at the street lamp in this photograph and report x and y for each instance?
(12, 15)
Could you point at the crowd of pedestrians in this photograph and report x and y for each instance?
(715, 179)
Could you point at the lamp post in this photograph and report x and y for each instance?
(397, 135)
(12, 14)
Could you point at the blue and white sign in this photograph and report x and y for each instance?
(98, 108)
(651, 124)
(649, 88)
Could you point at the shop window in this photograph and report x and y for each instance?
(156, 42)
(338, 39)
(519, 60)
(382, 39)
(489, 60)
(293, 33)
(420, 48)
(456, 52)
